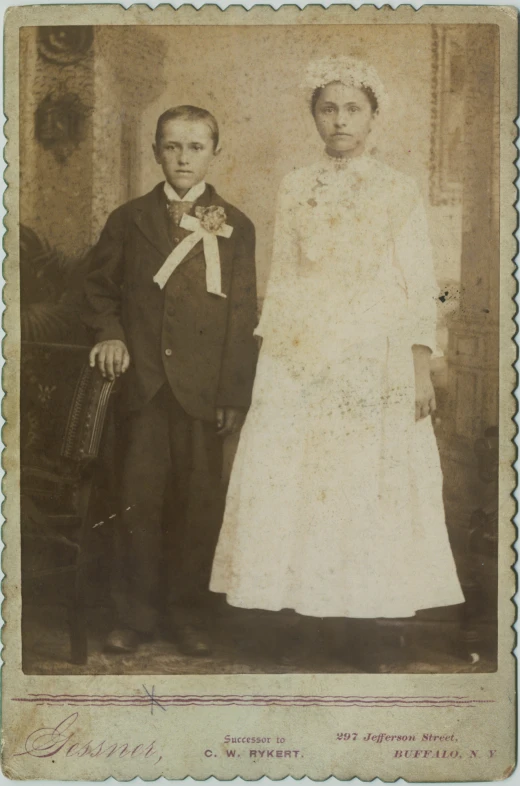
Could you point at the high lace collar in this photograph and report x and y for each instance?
(337, 171)
(340, 164)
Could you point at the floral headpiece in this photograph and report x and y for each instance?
(348, 71)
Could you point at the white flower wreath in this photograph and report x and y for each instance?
(348, 71)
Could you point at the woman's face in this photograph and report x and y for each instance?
(343, 117)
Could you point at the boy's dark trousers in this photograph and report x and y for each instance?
(157, 535)
(191, 351)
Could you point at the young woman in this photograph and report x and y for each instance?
(335, 502)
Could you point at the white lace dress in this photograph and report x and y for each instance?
(335, 499)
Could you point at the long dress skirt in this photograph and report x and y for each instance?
(335, 504)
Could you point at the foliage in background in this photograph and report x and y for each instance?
(50, 289)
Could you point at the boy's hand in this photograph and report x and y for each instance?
(424, 392)
(111, 358)
(229, 420)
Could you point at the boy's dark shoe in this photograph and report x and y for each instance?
(123, 640)
(193, 641)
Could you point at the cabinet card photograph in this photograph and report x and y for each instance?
(259, 392)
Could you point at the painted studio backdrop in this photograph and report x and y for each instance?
(90, 98)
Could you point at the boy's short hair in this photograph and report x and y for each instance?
(187, 112)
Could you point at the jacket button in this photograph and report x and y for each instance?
(176, 240)
(168, 352)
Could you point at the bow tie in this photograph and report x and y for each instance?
(177, 210)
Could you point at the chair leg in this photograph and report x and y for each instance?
(78, 620)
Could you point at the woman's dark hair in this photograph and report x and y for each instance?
(366, 90)
(188, 112)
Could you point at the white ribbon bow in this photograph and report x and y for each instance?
(211, 255)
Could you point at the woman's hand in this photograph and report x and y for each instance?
(424, 397)
(424, 392)
(111, 358)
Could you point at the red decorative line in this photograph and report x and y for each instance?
(146, 699)
(234, 696)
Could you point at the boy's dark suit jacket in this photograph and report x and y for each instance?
(202, 344)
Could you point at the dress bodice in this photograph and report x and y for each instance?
(344, 223)
(351, 255)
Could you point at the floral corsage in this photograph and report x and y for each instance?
(211, 218)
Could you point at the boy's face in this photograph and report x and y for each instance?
(185, 151)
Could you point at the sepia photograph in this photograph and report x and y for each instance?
(259, 349)
(259, 393)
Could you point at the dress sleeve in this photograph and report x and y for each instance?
(413, 256)
(280, 287)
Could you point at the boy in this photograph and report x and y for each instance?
(171, 299)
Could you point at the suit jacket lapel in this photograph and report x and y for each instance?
(150, 217)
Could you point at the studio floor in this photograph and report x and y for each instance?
(248, 645)
(248, 642)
